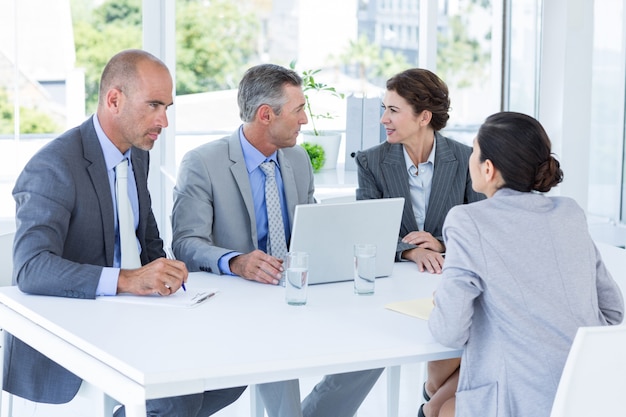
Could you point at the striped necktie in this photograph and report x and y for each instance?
(277, 245)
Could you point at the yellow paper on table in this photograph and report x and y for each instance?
(419, 308)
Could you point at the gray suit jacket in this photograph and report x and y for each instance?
(521, 275)
(382, 173)
(213, 210)
(65, 236)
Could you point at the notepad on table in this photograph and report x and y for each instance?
(180, 298)
(419, 308)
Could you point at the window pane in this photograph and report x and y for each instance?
(49, 77)
(464, 62)
(607, 118)
(525, 27)
(34, 54)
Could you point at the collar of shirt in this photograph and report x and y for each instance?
(411, 168)
(252, 156)
(112, 155)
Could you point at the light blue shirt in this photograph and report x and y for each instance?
(420, 184)
(254, 159)
(112, 156)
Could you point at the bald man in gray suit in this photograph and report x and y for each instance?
(67, 238)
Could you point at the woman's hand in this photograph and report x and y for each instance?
(424, 240)
(426, 259)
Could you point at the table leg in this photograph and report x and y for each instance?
(393, 391)
(257, 409)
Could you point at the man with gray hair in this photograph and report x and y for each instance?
(220, 223)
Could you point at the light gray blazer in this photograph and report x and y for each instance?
(521, 275)
(65, 236)
(382, 173)
(213, 210)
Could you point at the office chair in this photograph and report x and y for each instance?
(6, 271)
(6, 258)
(347, 198)
(103, 405)
(594, 376)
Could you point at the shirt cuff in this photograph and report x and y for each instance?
(108, 281)
(222, 263)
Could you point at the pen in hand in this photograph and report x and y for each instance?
(169, 253)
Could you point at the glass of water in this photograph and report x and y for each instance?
(364, 268)
(296, 278)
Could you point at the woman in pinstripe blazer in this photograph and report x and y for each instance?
(416, 162)
(431, 172)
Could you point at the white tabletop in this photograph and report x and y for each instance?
(245, 334)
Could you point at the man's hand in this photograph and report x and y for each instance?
(257, 266)
(161, 276)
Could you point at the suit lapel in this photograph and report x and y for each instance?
(97, 170)
(140, 168)
(443, 178)
(240, 174)
(393, 169)
(289, 184)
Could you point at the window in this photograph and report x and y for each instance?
(469, 61)
(606, 144)
(472, 43)
(41, 88)
(524, 29)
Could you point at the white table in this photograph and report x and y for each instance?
(246, 334)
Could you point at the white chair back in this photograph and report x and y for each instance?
(344, 198)
(6, 258)
(594, 376)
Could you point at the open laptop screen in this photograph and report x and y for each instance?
(328, 233)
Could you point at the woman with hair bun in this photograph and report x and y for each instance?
(522, 274)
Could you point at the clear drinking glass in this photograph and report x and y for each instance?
(364, 268)
(296, 278)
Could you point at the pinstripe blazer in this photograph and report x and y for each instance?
(382, 173)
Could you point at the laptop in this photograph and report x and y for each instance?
(328, 233)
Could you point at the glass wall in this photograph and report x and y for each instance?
(52, 52)
(607, 117)
(41, 85)
(465, 50)
(524, 34)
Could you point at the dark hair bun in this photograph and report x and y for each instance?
(549, 174)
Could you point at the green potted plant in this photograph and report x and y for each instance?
(316, 155)
(328, 140)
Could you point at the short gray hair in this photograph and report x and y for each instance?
(264, 84)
